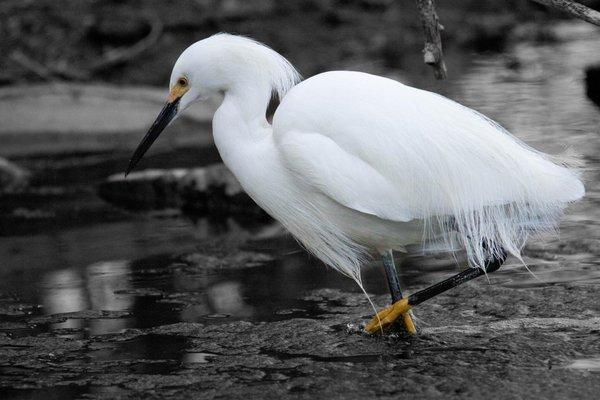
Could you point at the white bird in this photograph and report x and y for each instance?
(355, 163)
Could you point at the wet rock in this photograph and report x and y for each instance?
(13, 308)
(36, 350)
(12, 177)
(144, 190)
(212, 189)
(592, 83)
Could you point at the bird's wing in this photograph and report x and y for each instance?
(440, 157)
(381, 142)
(345, 178)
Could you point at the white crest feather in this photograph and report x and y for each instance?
(275, 68)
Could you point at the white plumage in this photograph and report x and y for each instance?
(355, 163)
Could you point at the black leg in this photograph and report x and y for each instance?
(406, 324)
(401, 309)
(458, 279)
(392, 276)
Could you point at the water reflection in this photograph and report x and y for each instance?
(162, 289)
(104, 280)
(64, 292)
(226, 298)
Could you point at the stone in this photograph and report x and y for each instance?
(211, 189)
(214, 189)
(144, 190)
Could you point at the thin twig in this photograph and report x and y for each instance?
(432, 53)
(575, 9)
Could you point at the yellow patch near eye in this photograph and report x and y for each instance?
(180, 88)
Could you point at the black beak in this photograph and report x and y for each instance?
(166, 115)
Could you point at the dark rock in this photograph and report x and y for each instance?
(12, 177)
(592, 83)
(144, 190)
(212, 189)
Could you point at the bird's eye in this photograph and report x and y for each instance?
(182, 82)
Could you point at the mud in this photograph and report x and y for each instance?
(482, 340)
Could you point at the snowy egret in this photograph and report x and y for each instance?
(355, 164)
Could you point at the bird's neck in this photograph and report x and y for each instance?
(247, 103)
(240, 125)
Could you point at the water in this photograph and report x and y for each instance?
(88, 279)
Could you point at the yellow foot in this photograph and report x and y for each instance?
(386, 318)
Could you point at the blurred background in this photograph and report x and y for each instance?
(81, 81)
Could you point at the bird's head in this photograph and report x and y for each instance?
(187, 85)
(215, 65)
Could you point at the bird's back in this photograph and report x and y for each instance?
(439, 157)
(428, 145)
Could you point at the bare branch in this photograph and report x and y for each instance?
(575, 9)
(432, 53)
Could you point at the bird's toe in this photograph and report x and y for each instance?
(389, 315)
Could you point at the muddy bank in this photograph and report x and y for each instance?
(480, 341)
(259, 319)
